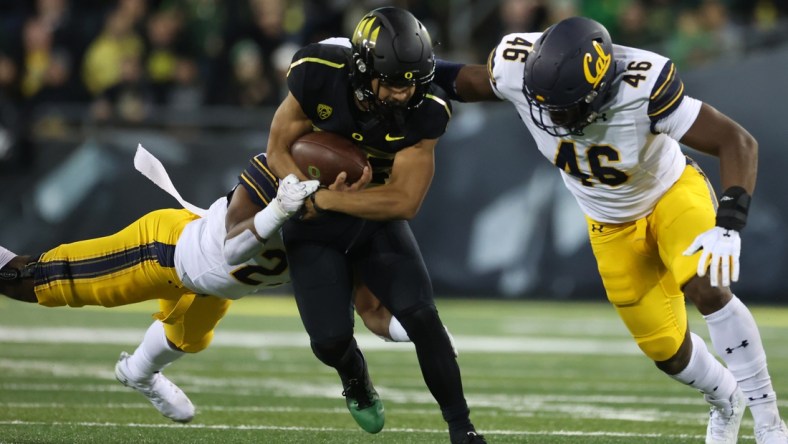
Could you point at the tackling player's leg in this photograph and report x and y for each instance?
(142, 372)
(736, 339)
(185, 326)
(379, 320)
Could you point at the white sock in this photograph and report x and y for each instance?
(153, 353)
(705, 373)
(737, 341)
(397, 332)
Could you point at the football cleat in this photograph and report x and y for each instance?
(725, 418)
(365, 406)
(168, 399)
(774, 434)
(471, 438)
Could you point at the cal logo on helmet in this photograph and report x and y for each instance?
(601, 65)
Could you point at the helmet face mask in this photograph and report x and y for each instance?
(390, 45)
(568, 75)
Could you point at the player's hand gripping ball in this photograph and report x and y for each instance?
(322, 156)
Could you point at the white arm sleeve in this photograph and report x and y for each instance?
(679, 121)
(246, 245)
(242, 247)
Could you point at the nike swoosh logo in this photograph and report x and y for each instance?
(390, 138)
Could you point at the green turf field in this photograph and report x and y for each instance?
(533, 372)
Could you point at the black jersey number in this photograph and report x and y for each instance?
(566, 159)
(517, 49)
(635, 79)
(248, 274)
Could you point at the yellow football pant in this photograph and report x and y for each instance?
(133, 265)
(643, 268)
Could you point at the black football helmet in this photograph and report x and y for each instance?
(568, 75)
(390, 44)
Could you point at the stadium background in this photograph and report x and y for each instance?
(196, 82)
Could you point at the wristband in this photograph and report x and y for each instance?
(318, 210)
(269, 219)
(733, 207)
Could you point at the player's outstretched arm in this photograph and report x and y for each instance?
(716, 134)
(248, 226)
(466, 83)
(16, 280)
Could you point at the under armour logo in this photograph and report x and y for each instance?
(744, 344)
(597, 228)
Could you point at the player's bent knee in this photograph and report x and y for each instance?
(660, 347)
(193, 343)
(194, 348)
(334, 352)
(423, 322)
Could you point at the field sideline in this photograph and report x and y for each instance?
(536, 372)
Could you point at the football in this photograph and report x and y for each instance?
(322, 155)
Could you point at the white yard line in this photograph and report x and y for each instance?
(334, 429)
(270, 339)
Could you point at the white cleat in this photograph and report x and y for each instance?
(774, 434)
(168, 399)
(725, 418)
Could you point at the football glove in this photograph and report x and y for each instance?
(292, 192)
(723, 246)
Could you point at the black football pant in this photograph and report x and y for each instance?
(324, 253)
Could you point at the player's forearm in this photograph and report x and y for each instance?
(289, 123)
(739, 163)
(473, 84)
(376, 203)
(281, 162)
(466, 83)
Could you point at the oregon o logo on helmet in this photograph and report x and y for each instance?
(601, 65)
(409, 75)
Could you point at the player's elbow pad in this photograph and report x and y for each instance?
(241, 248)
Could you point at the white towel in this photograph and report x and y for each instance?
(150, 167)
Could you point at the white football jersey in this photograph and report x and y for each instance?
(200, 262)
(629, 157)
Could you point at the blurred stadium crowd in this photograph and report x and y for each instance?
(121, 58)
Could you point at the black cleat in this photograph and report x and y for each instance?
(471, 438)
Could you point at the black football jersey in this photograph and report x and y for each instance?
(319, 78)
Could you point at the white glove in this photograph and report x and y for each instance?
(724, 246)
(292, 192)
